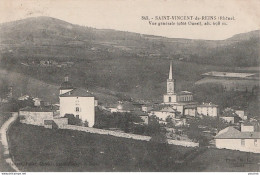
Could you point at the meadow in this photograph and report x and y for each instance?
(38, 149)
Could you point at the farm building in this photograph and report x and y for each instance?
(35, 115)
(245, 140)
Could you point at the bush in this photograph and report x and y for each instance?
(73, 120)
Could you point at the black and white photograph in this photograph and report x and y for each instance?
(129, 86)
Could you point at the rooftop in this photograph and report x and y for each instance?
(229, 74)
(77, 93)
(36, 109)
(232, 133)
(207, 105)
(184, 93)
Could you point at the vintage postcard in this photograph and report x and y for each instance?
(129, 86)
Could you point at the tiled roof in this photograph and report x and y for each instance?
(184, 93)
(168, 109)
(140, 113)
(207, 105)
(232, 133)
(164, 108)
(77, 93)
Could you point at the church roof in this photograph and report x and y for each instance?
(77, 93)
(184, 93)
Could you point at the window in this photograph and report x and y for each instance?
(77, 109)
(255, 142)
(242, 142)
(170, 99)
(77, 116)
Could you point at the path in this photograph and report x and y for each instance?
(4, 140)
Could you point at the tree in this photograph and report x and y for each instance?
(72, 120)
(195, 131)
(4, 89)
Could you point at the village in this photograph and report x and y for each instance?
(177, 120)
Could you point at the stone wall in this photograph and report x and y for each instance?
(35, 118)
(126, 135)
(61, 122)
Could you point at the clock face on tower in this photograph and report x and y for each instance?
(170, 87)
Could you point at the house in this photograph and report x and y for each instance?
(190, 110)
(24, 97)
(122, 107)
(35, 115)
(245, 140)
(143, 115)
(241, 114)
(37, 101)
(207, 109)
(79, 102)
(164, 112)
(230, 116)
(228, 119)
(250, 126)
(147, 108)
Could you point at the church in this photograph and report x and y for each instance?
(181, 101)
(78, 102)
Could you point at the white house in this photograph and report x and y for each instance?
(207, 109)
(244, 140)
(241, 114)
(121, 107)
(165, 112)
(228, 119)
(80, 103)
(147, 108)
(37, 101)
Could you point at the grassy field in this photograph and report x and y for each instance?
(39, 149)
(108, 78)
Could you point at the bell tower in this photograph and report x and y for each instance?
(170, 97)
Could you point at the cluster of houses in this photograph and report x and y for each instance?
(81, 103)
(46, 63)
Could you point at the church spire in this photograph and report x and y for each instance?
(170, 72)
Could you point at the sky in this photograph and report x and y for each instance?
(125, 15)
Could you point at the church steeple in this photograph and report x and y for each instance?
(170, 82)
(170, 72)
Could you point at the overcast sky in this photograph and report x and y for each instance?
(125, 15)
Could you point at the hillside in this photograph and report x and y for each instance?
(115, 64)
(45, 37)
